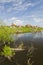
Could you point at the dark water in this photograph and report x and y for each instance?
(28, 39)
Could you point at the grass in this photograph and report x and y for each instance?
(7, 51)
(11, 30)
(5, 36)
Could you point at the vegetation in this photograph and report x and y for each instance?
(6, 33)
(5, 37)
(18, 29)
(26, 28)
(7, 51)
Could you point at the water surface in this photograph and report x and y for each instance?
(28, 39)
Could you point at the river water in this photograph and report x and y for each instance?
(28, 40)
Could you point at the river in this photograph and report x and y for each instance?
(28, 40)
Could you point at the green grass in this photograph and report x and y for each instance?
(12, 30)
(5, 36)
(7, 51)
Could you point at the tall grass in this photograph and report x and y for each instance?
(5, 36)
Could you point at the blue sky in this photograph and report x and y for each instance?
(22, 12)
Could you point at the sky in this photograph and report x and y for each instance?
(21, 12)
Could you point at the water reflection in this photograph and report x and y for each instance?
(28, 38)
(33, 40)
(37, 40)
(38, 35)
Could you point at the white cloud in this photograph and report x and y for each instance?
(3, 1)
(7, 21)
(17, 5)
(17, 21)
(38, 20)
(20, 6)
(14, 20)
(29, 16)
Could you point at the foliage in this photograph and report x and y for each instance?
(5, 35)
(7, 51)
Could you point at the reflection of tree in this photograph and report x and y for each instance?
(30, 55)
(21, 45)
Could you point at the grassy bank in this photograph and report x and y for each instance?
(7, 31)
(12, 30)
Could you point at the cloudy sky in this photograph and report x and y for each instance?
(22, 12)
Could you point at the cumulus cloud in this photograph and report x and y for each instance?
(17, 21)
(14, 20)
